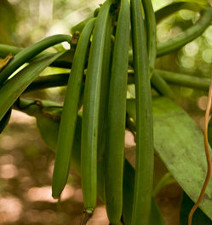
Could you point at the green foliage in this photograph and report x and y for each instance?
(8, 23)
(14, 87)
(88, 131)
(69, 115)
(179, 141)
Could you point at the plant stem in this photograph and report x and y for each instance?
(161, 85)
(63, 62)
(6, 49)
(151, 34)
(184, 80)
(207, 153)
(48, 81)
(173, 8)
(85, 217)
(30, 52)
(187, 36)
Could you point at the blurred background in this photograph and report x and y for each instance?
(26, 163)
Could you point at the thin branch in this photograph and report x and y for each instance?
(207, 152)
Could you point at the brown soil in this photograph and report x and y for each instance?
(25, 182)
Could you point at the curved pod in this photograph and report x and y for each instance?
(116, 120)
(144, 127)
(151, 33)
(91, 110)
(69, 114)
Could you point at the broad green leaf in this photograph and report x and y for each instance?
(48, 128)
(47, 114)
(199, 217)
(179, 143)
(165, 180)
(15, 86)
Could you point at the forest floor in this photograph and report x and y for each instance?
(26, 166)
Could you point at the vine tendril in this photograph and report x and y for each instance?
(207, 153)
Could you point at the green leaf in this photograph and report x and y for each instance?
(179, 143)
(165, 180)
(5, 120)
(199, 217)
(15, 86)
(47, 114)
(48, 129)
(155, 215)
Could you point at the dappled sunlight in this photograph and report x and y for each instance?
(207, 55)
(191, 49)
(8, 143)
(187, 62)
(42, 217)
(26, 156)
(40, 194)
(129, 139)
(99, 217)
(8, 171)
(45, 194)
(25, 182)
(202, 102)
(51, 169)
(130, 147)
(6, 159)
(78, 197)
(21, 118)
(10, 209)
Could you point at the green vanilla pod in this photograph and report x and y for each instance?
(104, 92)
(4, 121)
(186, 36)
(174, 7)
(184, 80)
(144, 127)
(91, 110)
(161, 85)
(69, 114)
(48, 125)
(80, 26)
(151, 33)
(116, 120)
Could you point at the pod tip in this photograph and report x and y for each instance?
(56, 196)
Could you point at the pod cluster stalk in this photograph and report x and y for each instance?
(116, 46)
